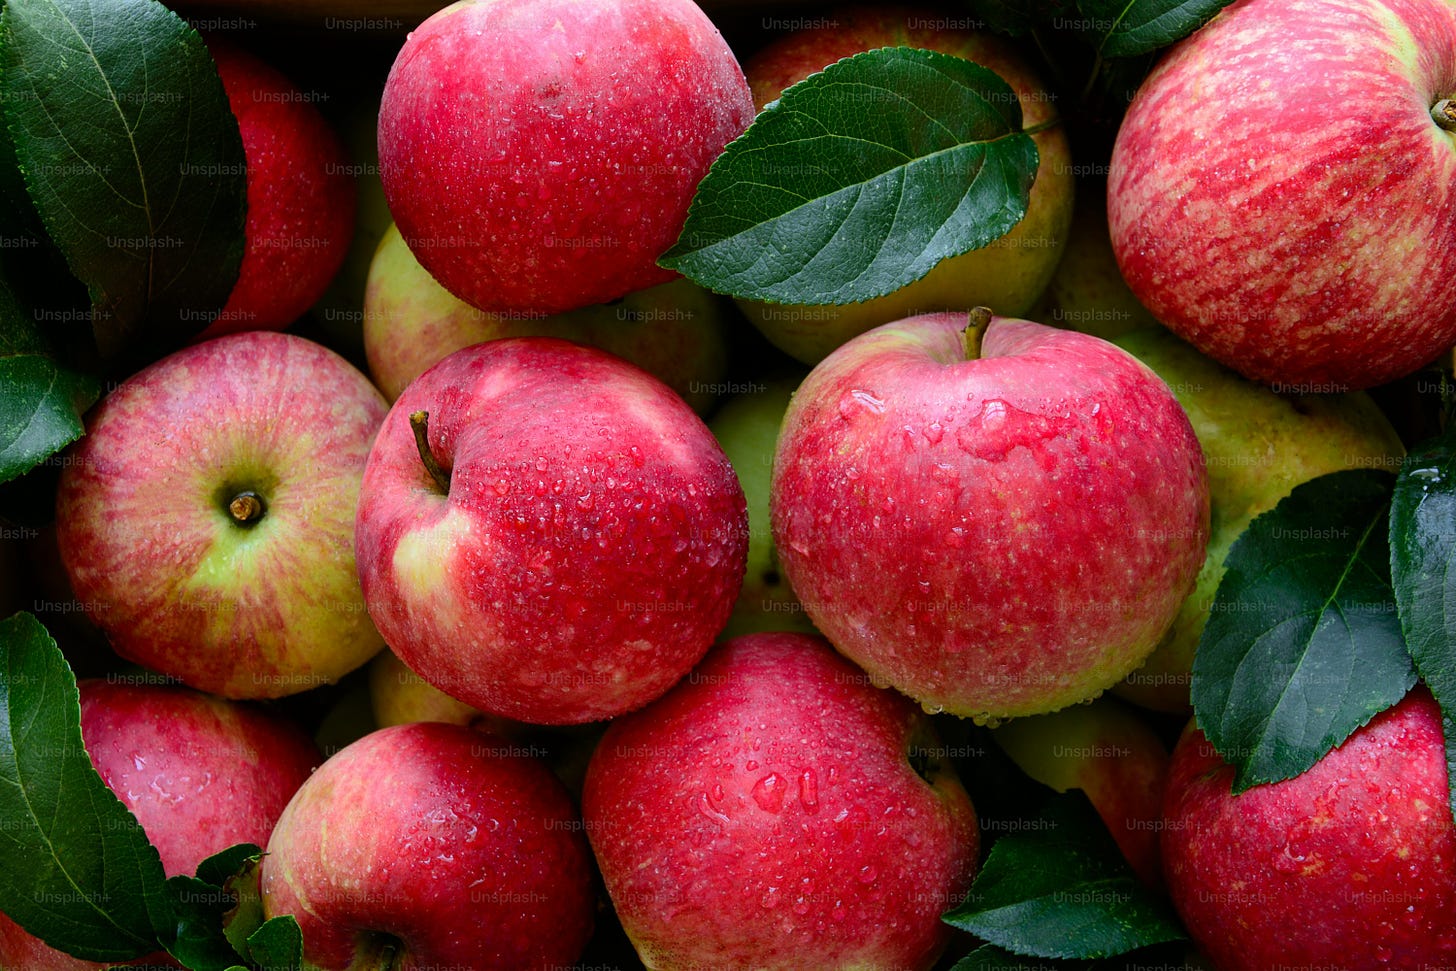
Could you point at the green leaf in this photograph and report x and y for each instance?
(1063, 890)
(990, 958)
(859, 180)
(132, 158)
(202, 905)
(225, 865)
(278, 945)
(1126, 28)
(1423, 573)
(1013, 17)
(41, 402)
(1302, 645)
(247, 916)
(76, 870)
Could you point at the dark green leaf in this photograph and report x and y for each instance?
(1063, 890)
(859, 180)
(1423, 572)
(131, 156)
(226, 864)
(41, 402)
(244, 919)
(196, 936)
(1013, 17)
(76, 870)
(1302, 645)
(277, 945)
(1125, 28)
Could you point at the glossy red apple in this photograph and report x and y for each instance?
(300, 196)
(540, 155)
(1282, 190)
(432, 846)
(579, 549)
(996, 529)
(1350, 865)
(199, 773)
(777, 811)
(206, 521)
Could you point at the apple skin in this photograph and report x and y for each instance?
(1308, 248)
(1112, 755)
(1259, 445)
(245, 610)
(747, 426)
(589, 549)
(540, 155)
(674, 331)
(300, 196)
(1350, 865)
(998, 536)
(765, 814)
(441, 838)
(1009, 274)
(199, 773)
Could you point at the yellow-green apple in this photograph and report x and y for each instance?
(300, 196)
(1087, 291)
(432, 846)
(1306, 246)
(1108, 752)
(777, 811)
(540, 155)
(1258, 446)
(747, 426)
(996, 528)
(547, 532)
(1009, 274)
(674, 331)
(199, 773)
(207, 518)
(398, 696)
(1350, 865)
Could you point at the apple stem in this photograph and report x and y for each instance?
(1443, 112)
(420, 422)
(247, 507)
(977, 320)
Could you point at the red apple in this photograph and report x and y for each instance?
(207, 518)
(1281, 190)
(434, 845)
(776, 811)
(995, 529)
(1350, 865)
(199, 773)
(581, 547)
(539, 155)
(1007, 275)
(300, 196)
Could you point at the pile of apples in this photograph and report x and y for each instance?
(716, 622)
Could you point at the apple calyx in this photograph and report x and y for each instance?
(420, 422)
(247, 507)
(977, 320)
(1443, 113)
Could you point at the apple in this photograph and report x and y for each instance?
(300, 196)
(207, 517)
(398, 696)
(547, 532)
(747, 426)
(996, 529)
(674, 331)
(1259, 445)
(432, 846)
(199, 773)
(1008, 275)
(1349, 865)
(1108, 752)
(1308, 247)
(1087, 291)
(540, 155)
(777, 811)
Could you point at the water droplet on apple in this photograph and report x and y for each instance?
(868, 874)
(934, 432)
(809, 791)
(932, 709)
(770, 898)
(838, 913)
(769, 791)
